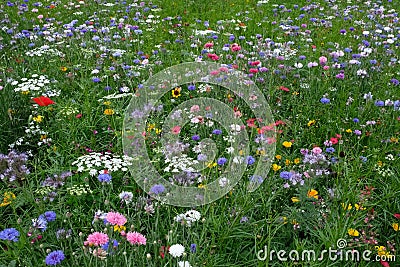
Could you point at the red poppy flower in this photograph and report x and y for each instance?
(385, 263)
(397, 215)
(43, 101)
(283, 88)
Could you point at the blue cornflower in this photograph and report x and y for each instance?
(250, 160)
(193, 248)
(325, 100)
(217, 131)
(10, 234)
(330, 150)
(157, 189)
(104, 178)
(256, 179)
(55, 257)
(221, 161)
(50, 216)
(286, 175)
(96, 79)
(40, 223)
(379, 103)
(356, 120)
(191, 87)
(195, 137)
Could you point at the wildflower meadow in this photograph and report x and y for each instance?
(199, 133)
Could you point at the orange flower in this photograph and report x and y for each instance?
(312, 193)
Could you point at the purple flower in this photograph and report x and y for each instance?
(357, 132)
(325, 100)
(201, 157)
(193, 248)
(395, 81)
(356, 120)
(191, 87)
(195, 137)
(10, 234)
(157, 189)
(379, 103)
(96, 79)
(55, 257)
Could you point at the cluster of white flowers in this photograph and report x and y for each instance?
(37, 85)
(33, 131)
(79, 190)
(44, 50)
(188, 217)
(180, 164)
(95, 163)
(67, 111)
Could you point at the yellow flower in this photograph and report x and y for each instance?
(8, 196)
(348, 207)
(296, 160)
(260, 152)
(394, 140)
(278, 157)
(211, 164)
(380, 163)
(295, 93)
(64, 69)
(395, 226)
(119, 228)
(157, 130)
(358, 207)
(295, 199)
(382, 251)
(276, 167)
(38, 118)
(176, 92)
(25, 92)
(287, 144)
(150, 127)
(109, 111)
(312, 193)
(349, 131)
(353, 232)
(201, 186)
(311, 123)
(287, 162)
(107, 103)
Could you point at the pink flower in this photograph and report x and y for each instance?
(235, 47)
(176, 129)
(326, 67)
(116, 218)
(208, 45)
(253, 70)
(322, 60)
(136, 238)
(97, 239)
(317, 150)
(195, 108)
(212, 56)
